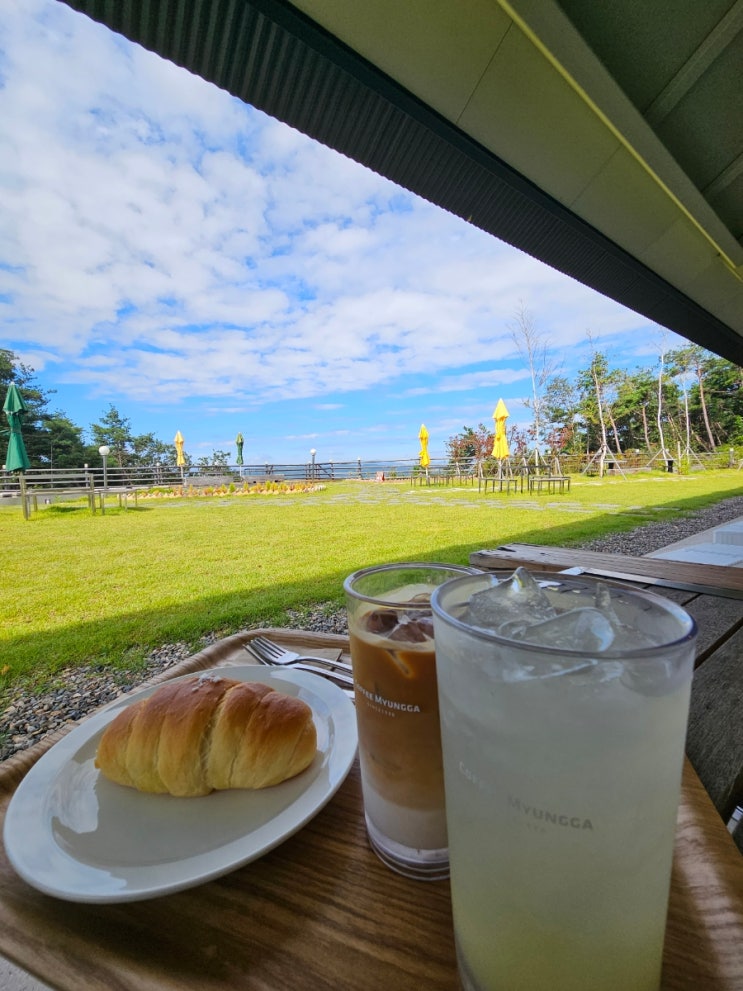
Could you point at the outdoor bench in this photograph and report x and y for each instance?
(552, 483)
(90, 494)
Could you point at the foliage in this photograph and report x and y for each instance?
(561, 412)
(691, 398)
(114, 430)
(219, 459)
(470, 447)
(724, 385)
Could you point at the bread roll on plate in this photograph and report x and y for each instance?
(199, 734)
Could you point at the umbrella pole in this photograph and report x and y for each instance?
(24, 497)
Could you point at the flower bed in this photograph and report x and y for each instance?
(233, 489)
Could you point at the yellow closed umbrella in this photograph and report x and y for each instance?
(500, 444)
(423, 456)
(180, 460)
(179, 442)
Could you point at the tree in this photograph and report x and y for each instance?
(600, 377)
(635, 395)
(219, 459)
(724, 386)
(65, 439)
(561, 407)
(471, 446)
(532, 346)
(694, 359)
(589, 402)
(146, 449)
(114, 431)
(519, 441)
(660, 412)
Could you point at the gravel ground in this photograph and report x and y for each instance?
(652, 536)
(28, 717)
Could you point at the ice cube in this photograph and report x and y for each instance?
(516, 598)
(380, 621)
(654, 676)
(602, 601)
(513, 628)
(585, 629)
(625, 637)
(410, 630)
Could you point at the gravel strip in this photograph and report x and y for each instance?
(652, 536)
(28, 717)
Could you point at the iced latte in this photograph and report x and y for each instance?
(397, 709)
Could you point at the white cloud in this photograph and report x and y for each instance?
(159, 241)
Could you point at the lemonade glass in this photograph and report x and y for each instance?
(562, 771)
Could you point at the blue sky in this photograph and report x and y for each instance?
(171, 251)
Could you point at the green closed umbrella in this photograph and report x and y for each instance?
(14, 408)
(16, 459)
(239, 443)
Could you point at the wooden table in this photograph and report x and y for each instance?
(719, 580)
(322, 912)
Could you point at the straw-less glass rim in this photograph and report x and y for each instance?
(437, 566)
(686, 621)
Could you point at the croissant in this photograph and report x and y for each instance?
(196, 735)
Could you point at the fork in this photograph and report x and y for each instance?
(271, 653)
(300, 662)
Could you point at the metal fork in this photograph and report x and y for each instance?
(275, 656)
(271, 653)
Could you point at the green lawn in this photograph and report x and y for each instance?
(106, 589)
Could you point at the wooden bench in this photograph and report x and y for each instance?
(91, 495)
(551, 482)
(516, 482)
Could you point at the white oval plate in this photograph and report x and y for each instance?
(73, 834)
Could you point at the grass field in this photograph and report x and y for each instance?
(104, 590)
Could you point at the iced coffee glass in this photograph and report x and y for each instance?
(564, 704)
(397, 711)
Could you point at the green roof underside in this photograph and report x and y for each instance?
(604, 139)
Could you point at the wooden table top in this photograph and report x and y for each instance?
(322, 912)
(727, 582)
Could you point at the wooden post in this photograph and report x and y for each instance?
(24, 497)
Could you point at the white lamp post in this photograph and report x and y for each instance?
(104, 452)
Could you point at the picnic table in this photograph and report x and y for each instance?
(320, 911)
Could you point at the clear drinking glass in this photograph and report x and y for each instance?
(397, 711)
(562, 770)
